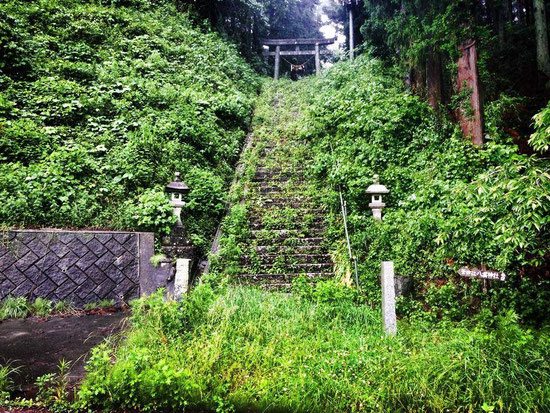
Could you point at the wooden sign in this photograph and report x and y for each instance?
(482, 274)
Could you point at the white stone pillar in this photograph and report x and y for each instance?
(181, 280)
(388, 298)
(351, 39)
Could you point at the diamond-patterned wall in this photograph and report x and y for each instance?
(77, 266)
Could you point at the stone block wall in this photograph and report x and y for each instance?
(77, 266)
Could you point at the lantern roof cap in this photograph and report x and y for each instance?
(177, 185)
(377, 188)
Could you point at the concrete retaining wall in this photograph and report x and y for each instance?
(78, 266)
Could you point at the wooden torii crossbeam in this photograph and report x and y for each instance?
(298, 51)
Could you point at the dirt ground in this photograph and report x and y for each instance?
(36, 345)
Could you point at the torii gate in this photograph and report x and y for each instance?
(297, 51)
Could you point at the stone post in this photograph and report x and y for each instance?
(388, 298)
(181, 279)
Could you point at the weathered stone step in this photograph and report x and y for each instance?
(270, 190)
(283, 249)
(296, 225)
(279, 203)
(262, 169)
(292, 258)
(286, 195)
(282, 175)
(284, 277)
(292, 241)
(267, 187)
(287, 268)
(312, 218)
(276, 203)
(283, 233)
(256, 211)
(261, 177)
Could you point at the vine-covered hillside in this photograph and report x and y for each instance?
(451, 203)
(100, 102)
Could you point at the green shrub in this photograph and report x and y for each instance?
(14, 307)
(451, 204)
(540, 140)
(41, 307)
(6, 380)
(63, 306)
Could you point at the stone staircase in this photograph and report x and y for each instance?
(286, 222)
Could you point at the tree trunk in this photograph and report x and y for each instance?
(419, 80)
(501, 25)
(470, 116)
(508, 15)
(521, 11)
(433, 79)
(543, 58)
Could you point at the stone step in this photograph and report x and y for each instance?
(283, 277)
(286, 268)
(281, 197)
(292, 258)
(313, 218)
(307, 210)
(284, 175)
(297, 225)
(262, 169)
(283, 249)
(270, 190)
(271, 203)
(287, 195)
(283, 233)
(277, 178)
(295, 185)
(292, 241)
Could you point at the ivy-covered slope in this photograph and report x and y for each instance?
(100, 102)
(451, 204)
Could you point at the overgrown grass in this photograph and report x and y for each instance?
(21, 307)
(14, 307)
(103, 304)
(6, 379)
(249, 350)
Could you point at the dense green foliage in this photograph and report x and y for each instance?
(100, 103)
(540, 140)
(247, 350)
(451, 204)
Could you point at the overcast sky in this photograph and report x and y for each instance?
(331, 29)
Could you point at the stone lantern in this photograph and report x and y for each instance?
(177, 240)
(177, 247)
(376, 190)
(177, 189)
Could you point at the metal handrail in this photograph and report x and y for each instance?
(353, 259)
(344, 207)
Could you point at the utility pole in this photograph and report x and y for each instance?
(350, 4)
(351, 40)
